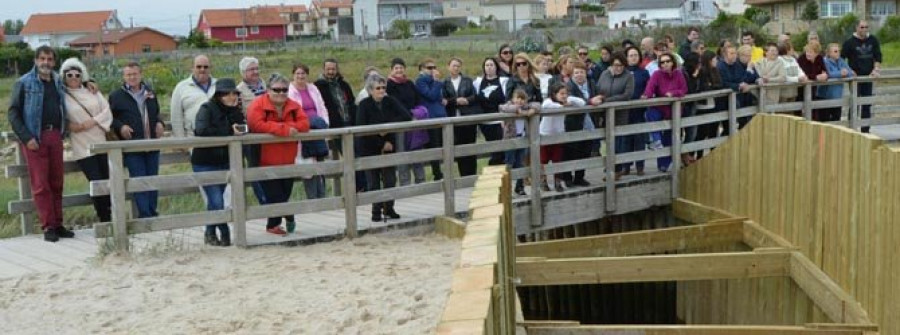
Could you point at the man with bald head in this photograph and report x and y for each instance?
(647, 46)
(189, 94)
(863, 54)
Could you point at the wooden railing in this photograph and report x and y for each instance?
(119, 186)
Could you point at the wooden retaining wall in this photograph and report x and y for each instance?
(828, 190)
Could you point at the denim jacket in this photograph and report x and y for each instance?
(26, 105)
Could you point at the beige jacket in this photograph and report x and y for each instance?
(186, 100)
(97, 109)
(774, 72)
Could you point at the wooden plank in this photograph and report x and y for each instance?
(756, 236)
(687, 330)
(118, 202)
(168, 222)
(607, 270)
(638, 242)
(349, 186)
(20, 170)
(449, 227)
(695, 212)
(467, 305)
(834, 301)
(473, 279)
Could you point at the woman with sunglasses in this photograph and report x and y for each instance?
(431, 88)
(505, 60)
(89, 118)
(273, 113)
(667, 82)
(525, 79)
(222, 115)
(380, 108)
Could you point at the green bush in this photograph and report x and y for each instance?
(890, 32)
(444, 29)
(528, 44)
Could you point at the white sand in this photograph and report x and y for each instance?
(372, 285)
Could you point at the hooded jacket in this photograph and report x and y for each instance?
(432, 93)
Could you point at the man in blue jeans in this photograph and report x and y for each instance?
(136, 117)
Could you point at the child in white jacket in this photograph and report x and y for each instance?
(553, 125)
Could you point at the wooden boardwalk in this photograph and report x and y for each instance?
(31, 254)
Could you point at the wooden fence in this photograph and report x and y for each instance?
(483, 294)
(828, 190)
(119, 185)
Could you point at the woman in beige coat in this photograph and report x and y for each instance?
(771, 70)
(89, 118)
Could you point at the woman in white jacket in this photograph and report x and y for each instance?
(89, 118)
(553, 125)
(792, 71)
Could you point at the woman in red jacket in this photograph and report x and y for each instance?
(273, 113)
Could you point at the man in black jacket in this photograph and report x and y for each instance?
(135, 117)
(338, 97)
(863, 54)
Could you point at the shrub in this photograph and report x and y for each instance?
(444, 29)
(528, 44)
(890, 32)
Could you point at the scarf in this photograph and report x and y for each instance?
(399, 79)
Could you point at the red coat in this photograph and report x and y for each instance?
(263, 118)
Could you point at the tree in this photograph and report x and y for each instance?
(197, 40)
(400, 29)
(810, 13)
(757, 15)
(11, 27)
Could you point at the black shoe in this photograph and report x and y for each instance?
(568, 183)
(391, 214)
(376, 217)
(50, 235)
(581, 182)
(211, 239)
(64, 233)
(225, 241)
(559, 187)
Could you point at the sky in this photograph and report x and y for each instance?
(169, 16)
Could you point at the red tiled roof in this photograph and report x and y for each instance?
(65, 22)
(256, 16)
(289, 8)
(333, 3)
(112, 36)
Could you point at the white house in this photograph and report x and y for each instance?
(374, 17)
(58, 29)
(516, 13)
(663, 12)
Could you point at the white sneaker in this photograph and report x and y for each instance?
(655, 145)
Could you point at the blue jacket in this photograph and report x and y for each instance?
(833, 68)
(732, 77)
(432, 92)
(27, 105)
(641, 77)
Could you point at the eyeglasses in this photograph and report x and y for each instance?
(202, 67)
(73, 75)
(618, 64)
(665, 61)
(252, 69)
(864, 27)
(582, 53)
(506, 52)
(379, 88)
(430, 67)
(280, 90)
(521, 63)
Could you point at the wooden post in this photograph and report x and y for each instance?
(762, 99)
(853, 112)
(238, 195)
(676, 147)
(27, 218)
(449, 179)
(807, 101)
(610, 161)
(118, 202)
(732, 114)
(336, 180)
(349, 185)
(534, 136)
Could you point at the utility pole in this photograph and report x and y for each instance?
(190, 24)
(132, 21)
(514, 26)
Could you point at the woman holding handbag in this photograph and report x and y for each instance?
(89, 119)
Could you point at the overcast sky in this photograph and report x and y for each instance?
(169, 16)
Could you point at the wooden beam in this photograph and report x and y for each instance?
(756, 236)
(449, 227)
(695, 212)
(638, 242)
(838, 305)
(608, 270)
(688, 330)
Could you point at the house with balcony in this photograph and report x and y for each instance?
(334, 17)
(786, 14)
(374, 17)
(297, 18)
(663, 12)
(58, 29)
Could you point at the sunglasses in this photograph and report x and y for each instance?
(280, 90)
(73, 75)
(506, 52)
(582, 53)
(202, 67)
(379, 88)
(431, 67)
(864, 27)
(521, 64)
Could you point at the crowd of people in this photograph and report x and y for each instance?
(48, 106)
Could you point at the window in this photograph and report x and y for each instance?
(695, 6)
(240, 32)
(254, 30)
(776, 12)
(421, 27)
(146, 48)
(453, 4)
(105, 50)
(835, 8)
(798, 9)
(883, 8)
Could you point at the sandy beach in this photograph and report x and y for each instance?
(377, 284)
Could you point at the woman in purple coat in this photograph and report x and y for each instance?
(667, 82)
